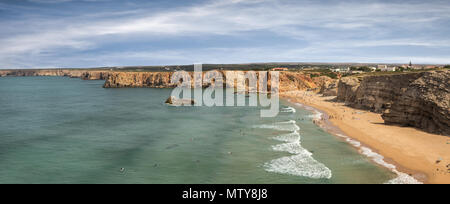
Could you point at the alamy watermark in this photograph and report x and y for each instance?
(209, 88)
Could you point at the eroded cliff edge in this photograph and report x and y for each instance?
(118, 79)
(73, 73)
(289, 81)
(420, 100)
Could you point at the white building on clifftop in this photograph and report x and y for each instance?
(385, 68)
(341, 70)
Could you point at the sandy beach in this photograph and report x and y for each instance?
(422, 155)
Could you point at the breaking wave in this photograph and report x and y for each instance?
(301, 163)
(291, 137)
(317, 115)
(288, 110)
(282, 126)
(401, 178)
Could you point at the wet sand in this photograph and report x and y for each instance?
(422, 155)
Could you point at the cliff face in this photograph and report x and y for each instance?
(327, 86)
(93, 75)
(415, 99)
(288, 80)
(292, 81)
(139, 79)
(425, 104)
(83, 74)
(374, 93)
(3, 73)
(347, 88)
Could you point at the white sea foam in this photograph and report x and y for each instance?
(353, 142)
(293, 148)
(291, 137)
(340, 135)
(401, 178)
(377, 158)
(288, 110)
(317, 115)
(282, 126)
(302, 162)
(288, 122)
(299, 165)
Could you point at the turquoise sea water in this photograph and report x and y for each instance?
(64, 130)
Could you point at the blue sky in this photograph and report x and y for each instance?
(94, 33)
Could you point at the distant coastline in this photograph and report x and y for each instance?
(295, 66)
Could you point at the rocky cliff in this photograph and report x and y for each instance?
(288, 80)
(292, 81)
(327, 86)
(139, 79)
(419, 100)
(94, 75)
(74, 73)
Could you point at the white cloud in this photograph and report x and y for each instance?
(355, 25)
(61, 1)
(49, 1)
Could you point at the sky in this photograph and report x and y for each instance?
(98, 33)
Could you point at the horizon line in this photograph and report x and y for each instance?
(246, 63)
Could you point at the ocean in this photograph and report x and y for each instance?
(65, 130)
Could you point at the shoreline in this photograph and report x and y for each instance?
(380, 150)
(374, 156)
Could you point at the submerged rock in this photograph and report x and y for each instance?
(172, 146)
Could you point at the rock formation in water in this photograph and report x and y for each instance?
(172, 100)
(420, 100)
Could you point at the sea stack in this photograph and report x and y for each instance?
(172, 100)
